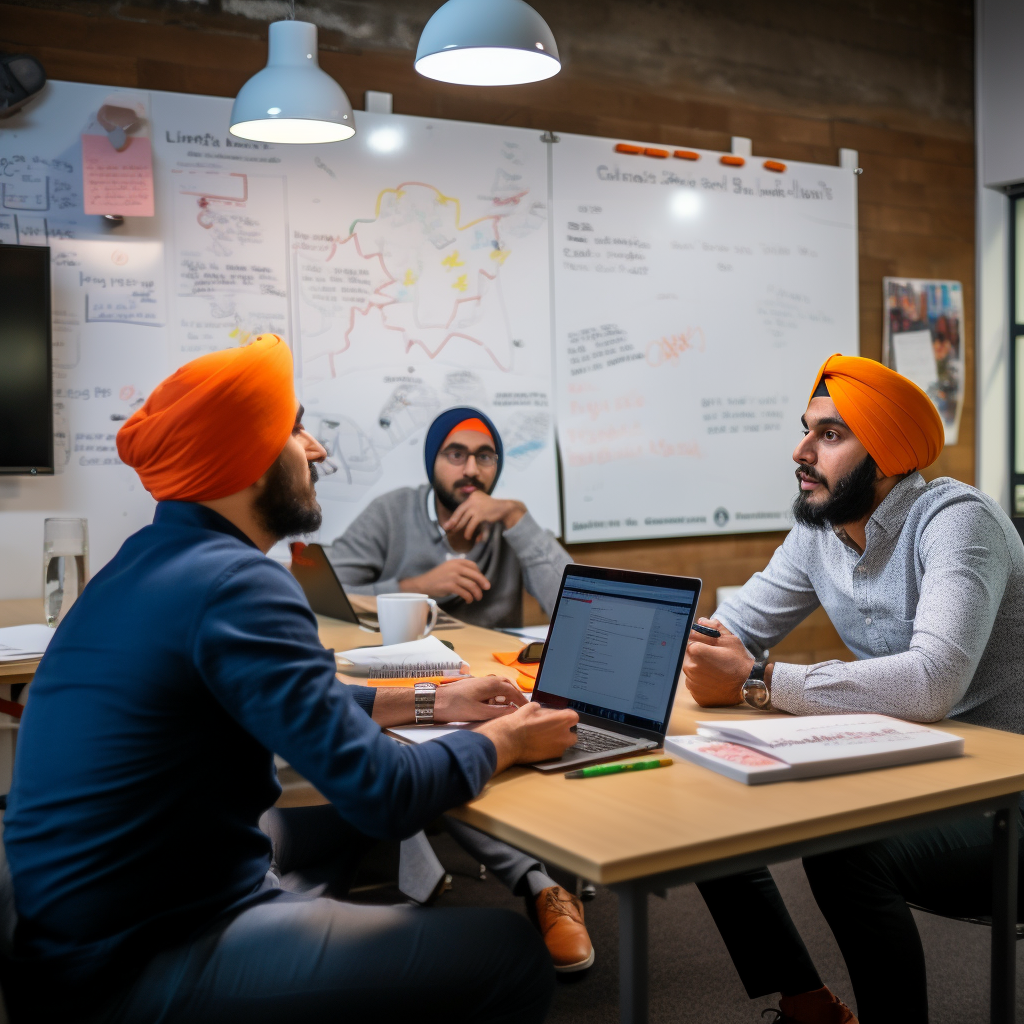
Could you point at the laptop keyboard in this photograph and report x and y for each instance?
(590, 741)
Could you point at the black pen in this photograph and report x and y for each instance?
(706, 630)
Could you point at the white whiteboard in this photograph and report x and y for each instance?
(693, 304)
(408, 268)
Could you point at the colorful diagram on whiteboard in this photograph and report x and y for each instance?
(420, 290)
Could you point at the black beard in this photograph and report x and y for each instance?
(285, 509)
(849, 501)
(449, 499)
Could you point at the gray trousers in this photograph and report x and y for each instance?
(315, 853)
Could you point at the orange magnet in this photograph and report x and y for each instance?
(624, 147)
(661, 154)
(774, 165)
(686, 154)
(732, 161)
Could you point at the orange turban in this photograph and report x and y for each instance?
(890, 415)
(216, 425)
(474, 424)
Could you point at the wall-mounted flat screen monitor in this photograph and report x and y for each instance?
(26, 365)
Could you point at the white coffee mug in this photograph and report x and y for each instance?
(405, 617)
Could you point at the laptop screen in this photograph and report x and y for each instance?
(616, 647)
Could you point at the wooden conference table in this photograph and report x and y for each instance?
(640, 834)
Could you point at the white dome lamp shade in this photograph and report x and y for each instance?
(487, 42)
(292, 100)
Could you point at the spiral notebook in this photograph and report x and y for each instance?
(416, 659)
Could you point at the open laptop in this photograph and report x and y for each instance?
(326, 596)
(614, 653)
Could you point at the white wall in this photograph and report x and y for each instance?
(999, 111)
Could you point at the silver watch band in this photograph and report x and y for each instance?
(424, 695)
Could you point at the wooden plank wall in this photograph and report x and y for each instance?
(916, 192)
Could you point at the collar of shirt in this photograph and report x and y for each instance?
(891, 514)
(190, 513)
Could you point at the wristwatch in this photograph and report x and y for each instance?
(423, 702)
(755, 689)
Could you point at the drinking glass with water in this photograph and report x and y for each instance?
(65, 565)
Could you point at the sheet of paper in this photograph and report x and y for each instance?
(19, 642)
(915, 357)
(429, 651)
(117, 182)
(528, 632)
(423, 733)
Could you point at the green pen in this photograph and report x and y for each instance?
(614, 769)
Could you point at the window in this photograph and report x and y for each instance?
(1017, 349)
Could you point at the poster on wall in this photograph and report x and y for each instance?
(923, 337)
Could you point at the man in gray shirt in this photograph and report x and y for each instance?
(449, 538)
(473, 553)
(925, 584)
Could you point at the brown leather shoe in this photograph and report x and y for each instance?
(817, 1007)
(560, 920)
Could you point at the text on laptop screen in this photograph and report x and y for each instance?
(614, 648)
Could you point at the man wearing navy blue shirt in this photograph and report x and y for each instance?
(186, 662)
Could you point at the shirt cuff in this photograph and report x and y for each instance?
(364, 696)
(788, 687)
(386, 587)
(474, 754)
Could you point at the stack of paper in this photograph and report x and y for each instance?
(24, 643)
(771, 749)
(423, 658)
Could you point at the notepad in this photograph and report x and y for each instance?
(24, 643)
(427, 657)
(772, 749)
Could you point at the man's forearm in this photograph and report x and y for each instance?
(394, 705)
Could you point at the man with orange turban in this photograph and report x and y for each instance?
(925, 584)
(144, 884)
(451, 538)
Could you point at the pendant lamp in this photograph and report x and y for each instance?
(292, 99)
(487, 42)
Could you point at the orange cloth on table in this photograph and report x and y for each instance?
(527, 673)
(891, 416)
(475, 424)
(216, 425)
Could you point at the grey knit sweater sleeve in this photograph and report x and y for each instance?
(541, 558)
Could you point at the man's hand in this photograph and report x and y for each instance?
(459, 576)
(474, 700)
(531, 733)
(480, 508)
(716, 667)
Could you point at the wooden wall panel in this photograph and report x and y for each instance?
(909, 119)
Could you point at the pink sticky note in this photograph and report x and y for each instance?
(117, 182)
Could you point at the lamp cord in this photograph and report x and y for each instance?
(293, 10)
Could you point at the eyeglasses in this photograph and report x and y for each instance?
(459, 456)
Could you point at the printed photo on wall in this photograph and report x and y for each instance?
(923, 340)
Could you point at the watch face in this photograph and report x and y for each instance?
(755, 693)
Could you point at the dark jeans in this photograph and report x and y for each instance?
(761, 938)
(312, 959)
(863, 893)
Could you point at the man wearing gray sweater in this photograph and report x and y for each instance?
(473, 554)
(450, 538)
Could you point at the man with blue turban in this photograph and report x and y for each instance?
(450, 538)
